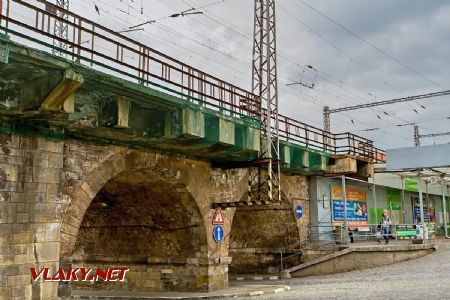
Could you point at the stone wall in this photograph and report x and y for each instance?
(47, 215)
(359, 258)
(31, 211)
(260, 234)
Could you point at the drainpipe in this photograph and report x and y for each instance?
(445, 208)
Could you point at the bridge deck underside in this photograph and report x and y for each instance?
(109, 109)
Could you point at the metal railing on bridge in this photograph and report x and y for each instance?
(109, 51)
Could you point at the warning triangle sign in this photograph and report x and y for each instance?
(218, 218)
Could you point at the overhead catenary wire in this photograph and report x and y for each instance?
(198, 22)
(244, 35)
(209, 58)
(398, 61)
(377, 49)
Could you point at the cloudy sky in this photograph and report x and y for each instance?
(363, 51)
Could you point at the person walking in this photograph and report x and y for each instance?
(386, 226)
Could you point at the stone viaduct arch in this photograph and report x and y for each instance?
(157, 202)
(51, 184)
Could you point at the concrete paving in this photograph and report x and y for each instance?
(427, 277)
(234, 291)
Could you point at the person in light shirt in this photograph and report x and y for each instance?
(386, 226)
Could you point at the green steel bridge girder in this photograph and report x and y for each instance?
(108, 109)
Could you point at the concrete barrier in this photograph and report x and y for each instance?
(358, 258)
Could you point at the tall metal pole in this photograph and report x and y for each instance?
(416, 136)
(326, 118)
(326, 126)
(403, 199)
(374, 191)
(444, 208)
(265, 85)
(419, 183)
(344, 197)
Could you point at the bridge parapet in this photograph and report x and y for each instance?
(138, 63)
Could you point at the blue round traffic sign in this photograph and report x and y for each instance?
(299, 211)
(218, 233)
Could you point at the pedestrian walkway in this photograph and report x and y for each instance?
(234, 291)
(427, 277)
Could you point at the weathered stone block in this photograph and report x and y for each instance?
(20, 248)
(22, 217)
(55, 160)
(52, 232)
(6, 260)
(47, 252)
(69, 229)
(47, 175)
(23, 237)
(5, 292)
(6, 249)
(18, 280)
(9, 270)
(34, 187)
(49, 145)
(46, 212)
(22, 207)
(49, 290)
(12, 171)
(20, 259)
(18, 291)
(7, 212)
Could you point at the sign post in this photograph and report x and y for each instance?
(344, 196)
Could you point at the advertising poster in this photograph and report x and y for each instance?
(428, 211)
(356, 208)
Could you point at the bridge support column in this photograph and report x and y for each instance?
(31, 211)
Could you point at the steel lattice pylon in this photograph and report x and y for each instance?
(416, 136)
(264, 180)
(61, 29)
